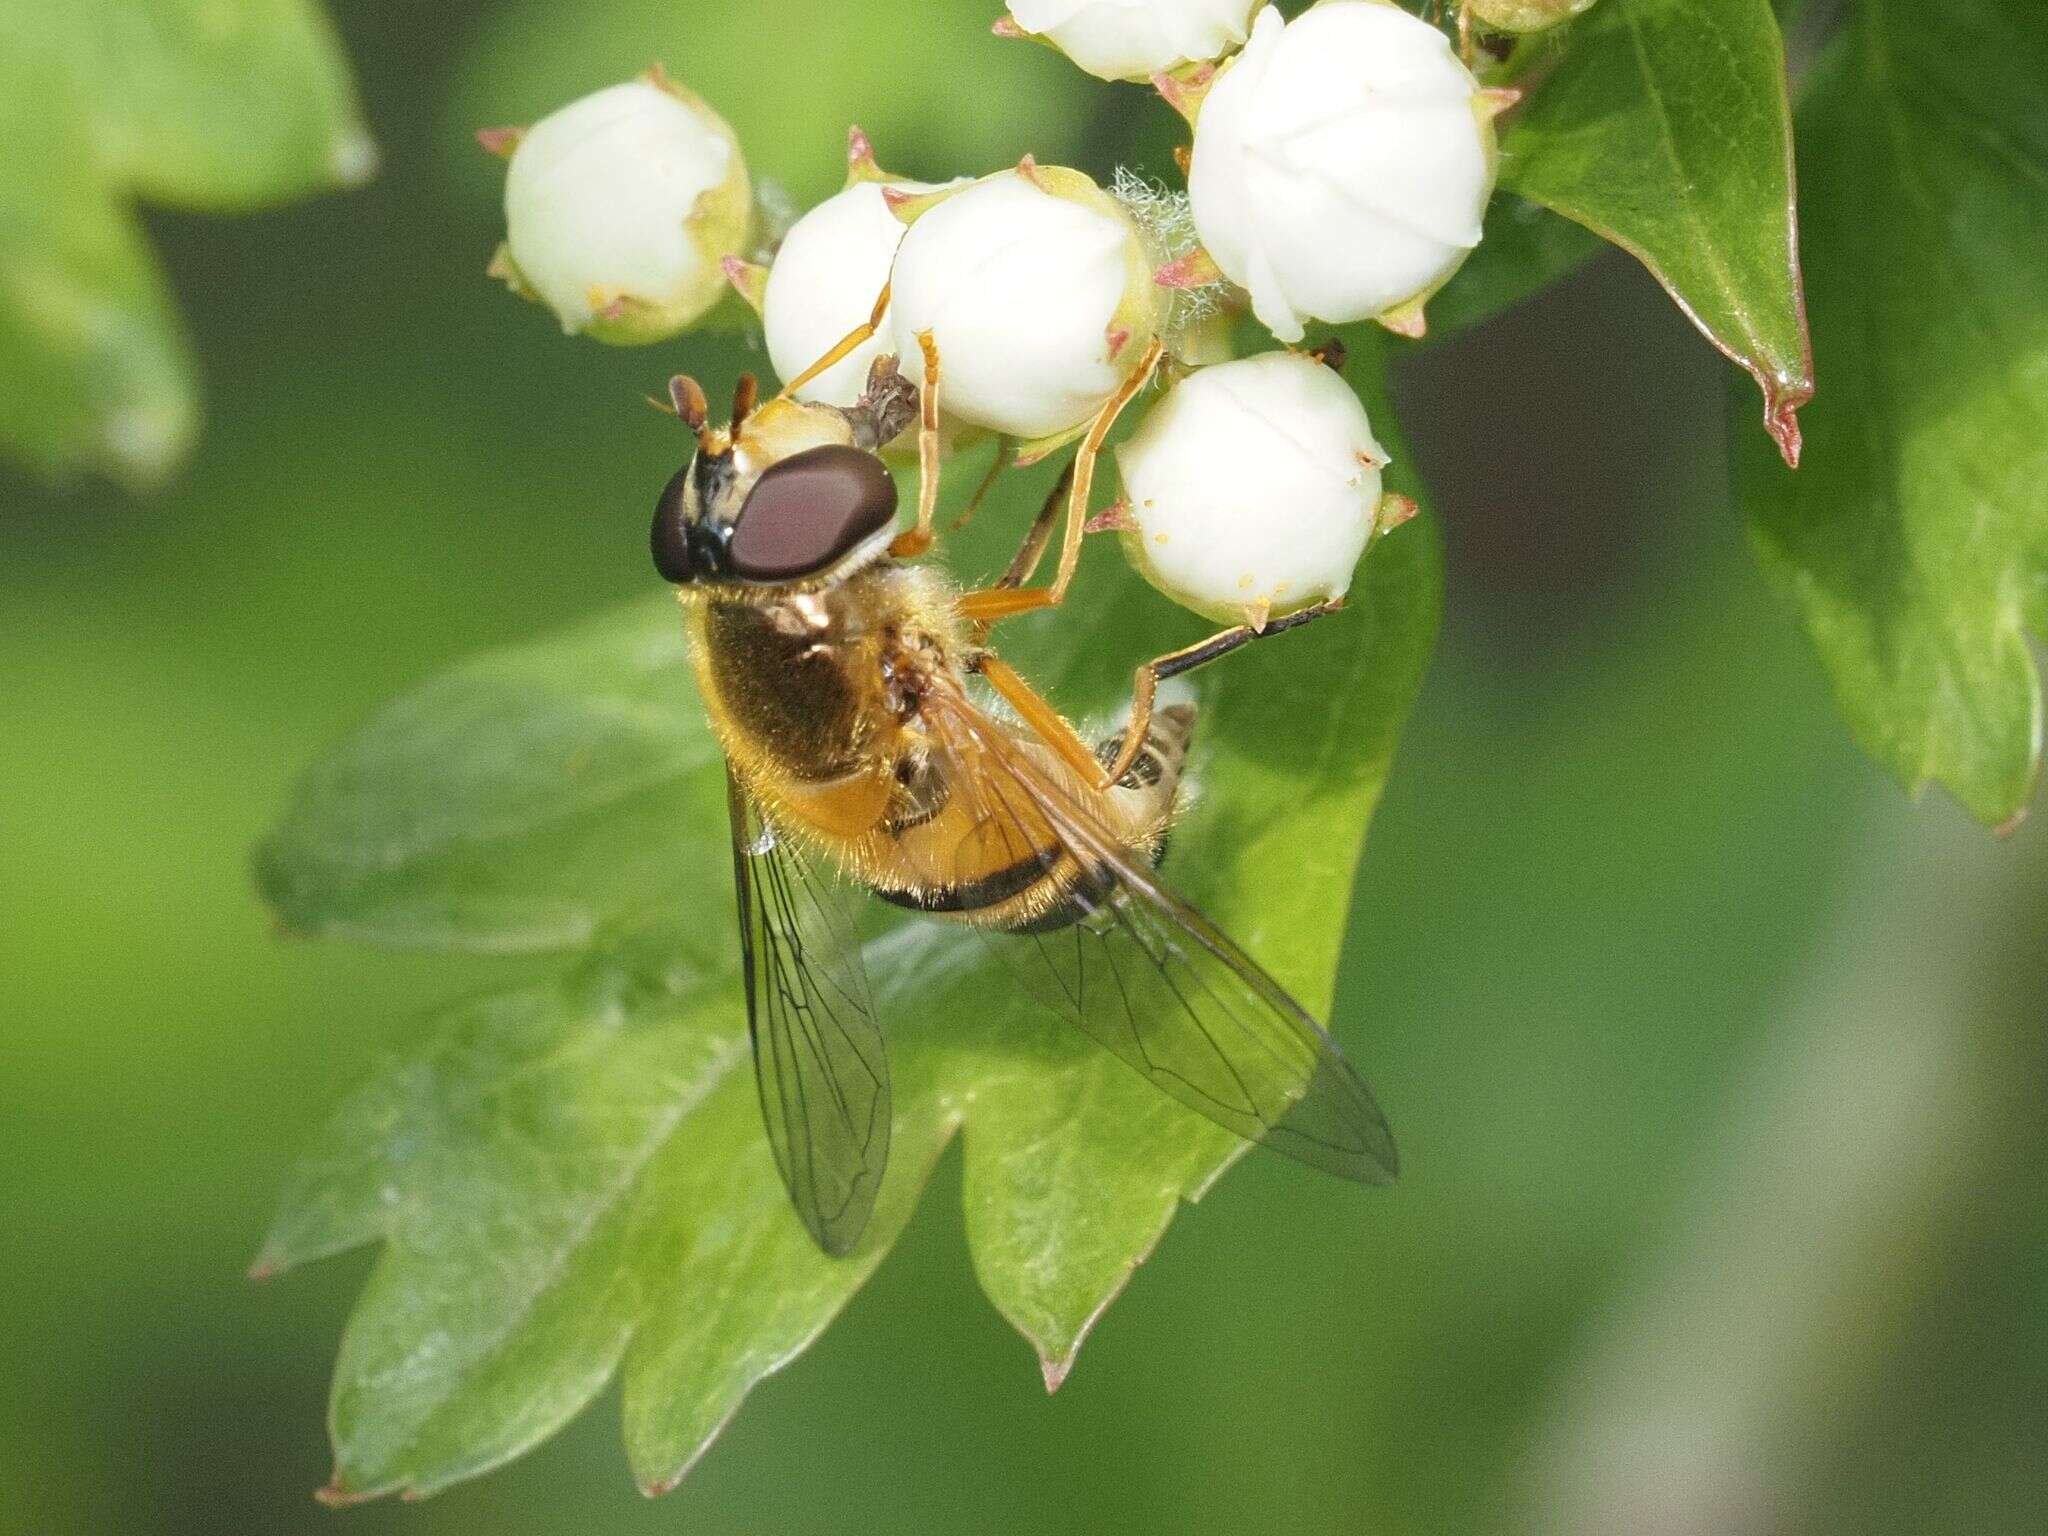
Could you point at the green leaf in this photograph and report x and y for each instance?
(197, 103)
(1916, 542)
(521, 802)
(95, 362)
(1664, 127)
(571, 1179)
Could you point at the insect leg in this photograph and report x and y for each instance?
(1006, 454)
(1045, 722)
(1002, 602)
(1146, 680)
(976, 606)
(915, 541)
(846, 344)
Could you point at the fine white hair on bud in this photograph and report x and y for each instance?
(619, 207)
(1035, 286)
(1252, 488)
(1341, 166)
(1136, 39)
(830, 269)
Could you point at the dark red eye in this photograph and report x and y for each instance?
(669, 539)
(810, 510)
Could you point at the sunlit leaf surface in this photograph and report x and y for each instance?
(212, 104)
(572, 1179)
(1916, 538)
(1663, 125)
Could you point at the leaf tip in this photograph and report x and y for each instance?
(1055, 1367)
(354, 159)
(500, 141)
(1406, 320)
(336, 1494)
(2011, 824)
(1394, 510)
(1785, 394)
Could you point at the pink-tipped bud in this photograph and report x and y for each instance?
(1394, 510)
(500, 141)
(595, 195)
(1184, 89)
(1197, 269)
(1254, 487)
(1406, 320)
(830, 269)
(1136, 39)
(1036, 286)
(1498, 99)
(1290, 185)
(1114, 518)
(749, 280)
(861, 164)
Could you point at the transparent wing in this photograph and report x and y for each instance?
(819, 1058)
(1147, 975)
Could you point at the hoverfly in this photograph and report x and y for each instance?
(837, 677)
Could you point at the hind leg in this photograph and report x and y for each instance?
(1008, 599)
(1149, 745)
(1146, 680)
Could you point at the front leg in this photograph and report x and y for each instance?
(915, 541)
(887, 405)
(851, 342)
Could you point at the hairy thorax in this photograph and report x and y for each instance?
(814, 695)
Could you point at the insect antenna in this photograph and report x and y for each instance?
(687, 403)
(744, 394)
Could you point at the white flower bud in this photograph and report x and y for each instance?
(1136, 39)
(826, 277)
(1036, 289)
(619, 207)
(1525, 15)
(1342, 165)
(1252, 488)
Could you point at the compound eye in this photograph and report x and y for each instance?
(810, 510)
(670, 537)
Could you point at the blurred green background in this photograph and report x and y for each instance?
(1718, 1066)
